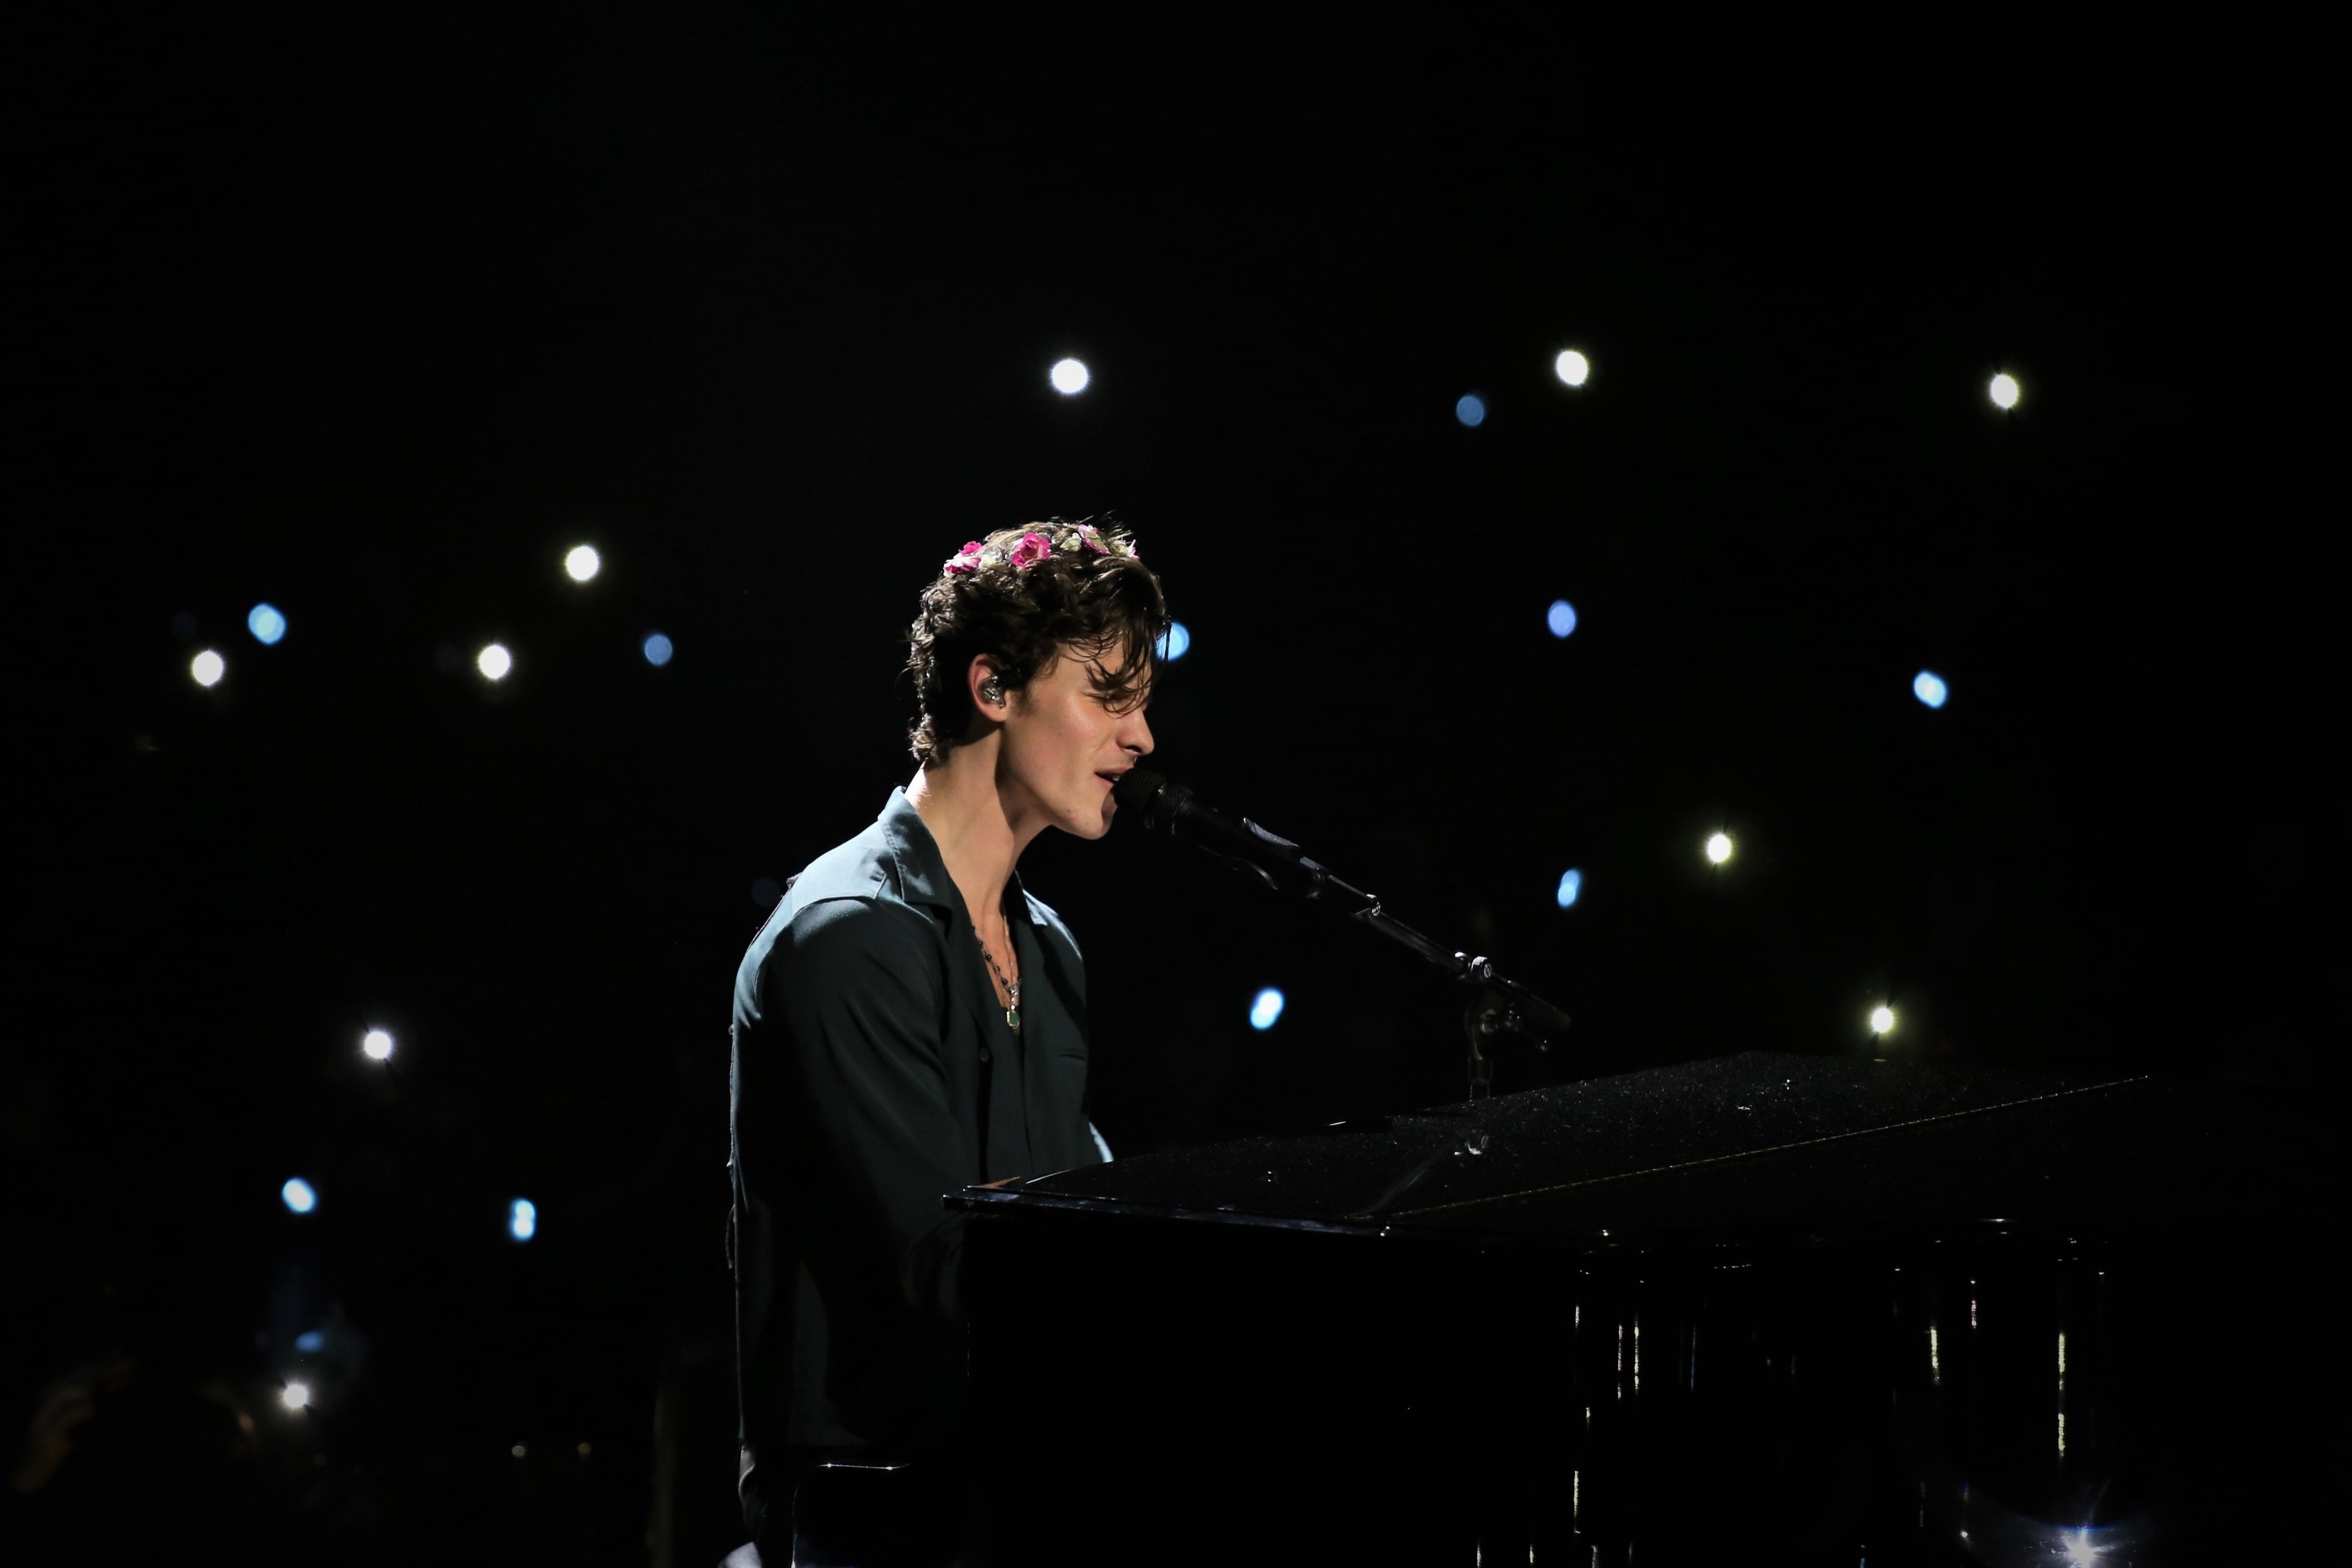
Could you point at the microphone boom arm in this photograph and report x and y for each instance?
(1494, 1005)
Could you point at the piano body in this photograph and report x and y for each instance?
(1758, 1308)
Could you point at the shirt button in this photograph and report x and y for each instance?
(985, 1056)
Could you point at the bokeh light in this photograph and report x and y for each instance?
(1265, 1008)
(297, 1396)
(1070, 377)
(1882, 1019)
(1471, 410)
(494, 661)
(1174, 641)
(1719, 848)
(1572, 884)
(1571, 367)
(265, 623)
(1929, 688)
(1561, 618)
(582, 562)
(207, 668)
(658, 649)
(377, 1045)
(299, 1195)
(522, 1219)
(2003, 390)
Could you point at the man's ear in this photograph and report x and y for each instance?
(984, 668)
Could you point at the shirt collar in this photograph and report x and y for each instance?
(922, 870)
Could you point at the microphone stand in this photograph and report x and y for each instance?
(1492, 1005)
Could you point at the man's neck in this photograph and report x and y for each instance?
(958, 801)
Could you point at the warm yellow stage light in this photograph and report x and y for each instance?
(494, 661)
(582, 562)
(2003, 390)
(1719, 848)
(1882, 1019)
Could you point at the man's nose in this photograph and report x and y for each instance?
(1137, 737)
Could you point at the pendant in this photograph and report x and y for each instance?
(1013, 1018)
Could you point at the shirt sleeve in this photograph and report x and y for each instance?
(846, 1080)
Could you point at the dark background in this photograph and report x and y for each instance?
(375, 327)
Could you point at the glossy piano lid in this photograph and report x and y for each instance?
(1744, 1145)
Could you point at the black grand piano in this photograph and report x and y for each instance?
(1758, 1307)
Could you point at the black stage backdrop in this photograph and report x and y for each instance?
(374, 328)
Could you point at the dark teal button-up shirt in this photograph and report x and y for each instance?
(874, 1072)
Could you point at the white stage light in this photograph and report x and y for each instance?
(1929, 688)
(1265, 1008)
(494, 661)
(1070, 377)
(207, 668)
(1572, 884)
(1882, 1019)
(299, 1195)
(522, 1219)
(582, 562)
(1719, 848)
(2003, 390)
(1571, 367)
(1561, 618)
(377, 1045)
(266, 624)
(1471, 409)
(297, 1396)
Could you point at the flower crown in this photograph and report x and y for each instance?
(1033, 547)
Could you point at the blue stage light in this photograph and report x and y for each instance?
(310, 1342)
(522, 1219)
(1265, 1008)
(1471, 410)
(299, 1195)
(1173, 641)
(1561, 618)
(1572, 883)
(265, 623)
(657, 650)
(1929, 688)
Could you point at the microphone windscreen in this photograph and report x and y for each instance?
(1136, 787)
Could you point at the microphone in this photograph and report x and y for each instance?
(1169, 808)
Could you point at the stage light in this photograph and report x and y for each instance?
(297, 1396)
(299, 1195)
(1471, 409)
(1719, 848)
(377, 1044)
(657, 650)
(1571, 367)
(1561, 618)
(209, 667)
(582, 562)
(1929, 688)
(266, 624)
(1882, 1019)
(522, 1219)
(1572, 883)
(310, 1342)
(1070, 377)
(2003, 390)
(1265, 1008)
(1173, 641)
(494, 661)
(520, 1450)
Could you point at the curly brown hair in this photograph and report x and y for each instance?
(1024, 597)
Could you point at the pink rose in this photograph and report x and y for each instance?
(1033, 548)
(967, 559)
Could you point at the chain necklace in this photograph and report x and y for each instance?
(1012, 987)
